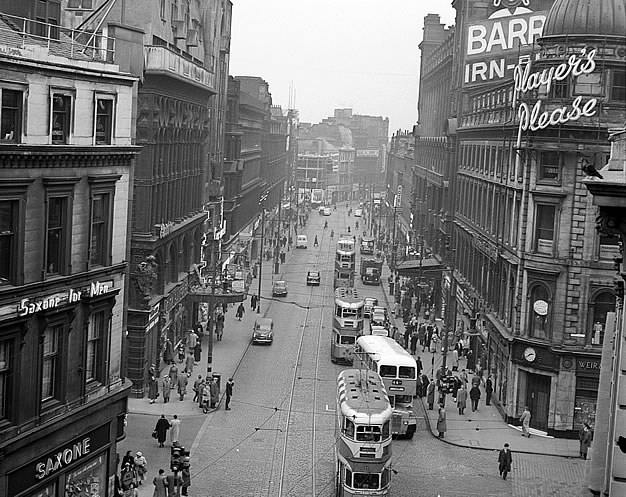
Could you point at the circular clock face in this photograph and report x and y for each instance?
(530, 354)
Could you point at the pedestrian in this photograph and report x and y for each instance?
(153, 389)
(414, 342)
(219, 326)
(131, 491)
(240, 311)
(160, 484)
(421, 331)
(461, 399)
(425, 382)
(161, 430)
(192, 339)
(505, 460)
(433, 342)
(174, 430)
(173, 374)
(430, 395)
(474, 394)
(171, 482)
(441, 421)
(206, 393)
(183, 380)
(214, 390)
(525, 420)
(128, 459)
(167, 388)
(488, 390)
(185, 479)
(420, 366)
(315, 244)
(128, 475)
(585, 436)
(229, 392)
(198, 385)
(455, 360)
(189, 362)
(197, 351)
(253, 301)
(476, 380)
(463, 377)
(407, 335)
(142, 467)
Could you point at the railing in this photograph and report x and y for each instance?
(24, 33)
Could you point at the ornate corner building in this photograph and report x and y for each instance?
(66, 164)
(500, 158)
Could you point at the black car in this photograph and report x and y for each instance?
(313, 278)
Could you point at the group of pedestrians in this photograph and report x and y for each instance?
(163, 425)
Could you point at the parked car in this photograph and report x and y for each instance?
(263, 331)
(279, 288)
(369, 303)
(358, 212)
(313, 278)
(378, 330)
(379, 318)
(327, 211)
(302, 241)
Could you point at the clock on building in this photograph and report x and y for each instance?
(530, 354)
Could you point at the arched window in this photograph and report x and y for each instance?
(172, 264)
(602, 303)
(539, 311)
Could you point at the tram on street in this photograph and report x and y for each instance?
(345, 262)
(347, 324)
(363, 435)
(398, 370)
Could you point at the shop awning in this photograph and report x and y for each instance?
(429, 267)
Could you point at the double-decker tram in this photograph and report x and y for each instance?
(398, 370)
(347, 324)
(362, 434)
(345, 262)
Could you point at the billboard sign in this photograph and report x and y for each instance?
(494, 46)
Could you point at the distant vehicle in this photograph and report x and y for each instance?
(313, 278)
(378, 330)
(327, 211)
(371, 270)
(381, 310)
(367, 245)
(263, 331)
(358, 212)
(347, 324)
(302, 241)
(279, 288)
(369, 303)
(378, 319)
(321, 211)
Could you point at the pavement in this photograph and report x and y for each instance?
(484, 429)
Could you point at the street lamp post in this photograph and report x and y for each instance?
(262, 204)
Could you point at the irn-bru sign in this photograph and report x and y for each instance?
(494, 46)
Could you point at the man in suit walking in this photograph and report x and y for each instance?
(505, 460)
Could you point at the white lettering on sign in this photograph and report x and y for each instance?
(505, 34)
(535, 118)
(27, 306)
(62, 458)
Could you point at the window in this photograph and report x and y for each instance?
(559, 89)
(104, 121)
(368, 433)
(349, 429)
(618, 86)
(8, 240)
(387, 371)
(97, 332)
(47, 15)
(11, 116)
(56, 235)
(602, 303)
(539, 310)
(588, 84)
(163, 8)
(80, 4)
(549, 166)
(6, 378)
(61, 118)
(609, 248)
(51, 362)
(544, 228)
(100, 248)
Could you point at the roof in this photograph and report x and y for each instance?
(427, 266)
(586, 17)
(362, 397)
(386, 350)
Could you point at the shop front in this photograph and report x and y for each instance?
(586, 394)
(76, 468)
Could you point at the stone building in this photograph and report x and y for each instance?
(66, 165)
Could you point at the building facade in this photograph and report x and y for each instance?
(66, 165)
(533, 279)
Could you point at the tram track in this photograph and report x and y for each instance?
(300, 412)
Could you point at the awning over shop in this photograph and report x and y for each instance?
(429, 267)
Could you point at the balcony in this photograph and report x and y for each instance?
(161, 60)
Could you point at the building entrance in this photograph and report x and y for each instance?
(538, 400)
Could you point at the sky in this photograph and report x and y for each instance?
(330, 54)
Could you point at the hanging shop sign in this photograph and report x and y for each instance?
(67, 456)
(536, 117)
(494, 46)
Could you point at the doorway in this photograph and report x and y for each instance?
(538, 400)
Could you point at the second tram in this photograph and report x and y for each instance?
(398, 370)
(363, 435)
(347, 324)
